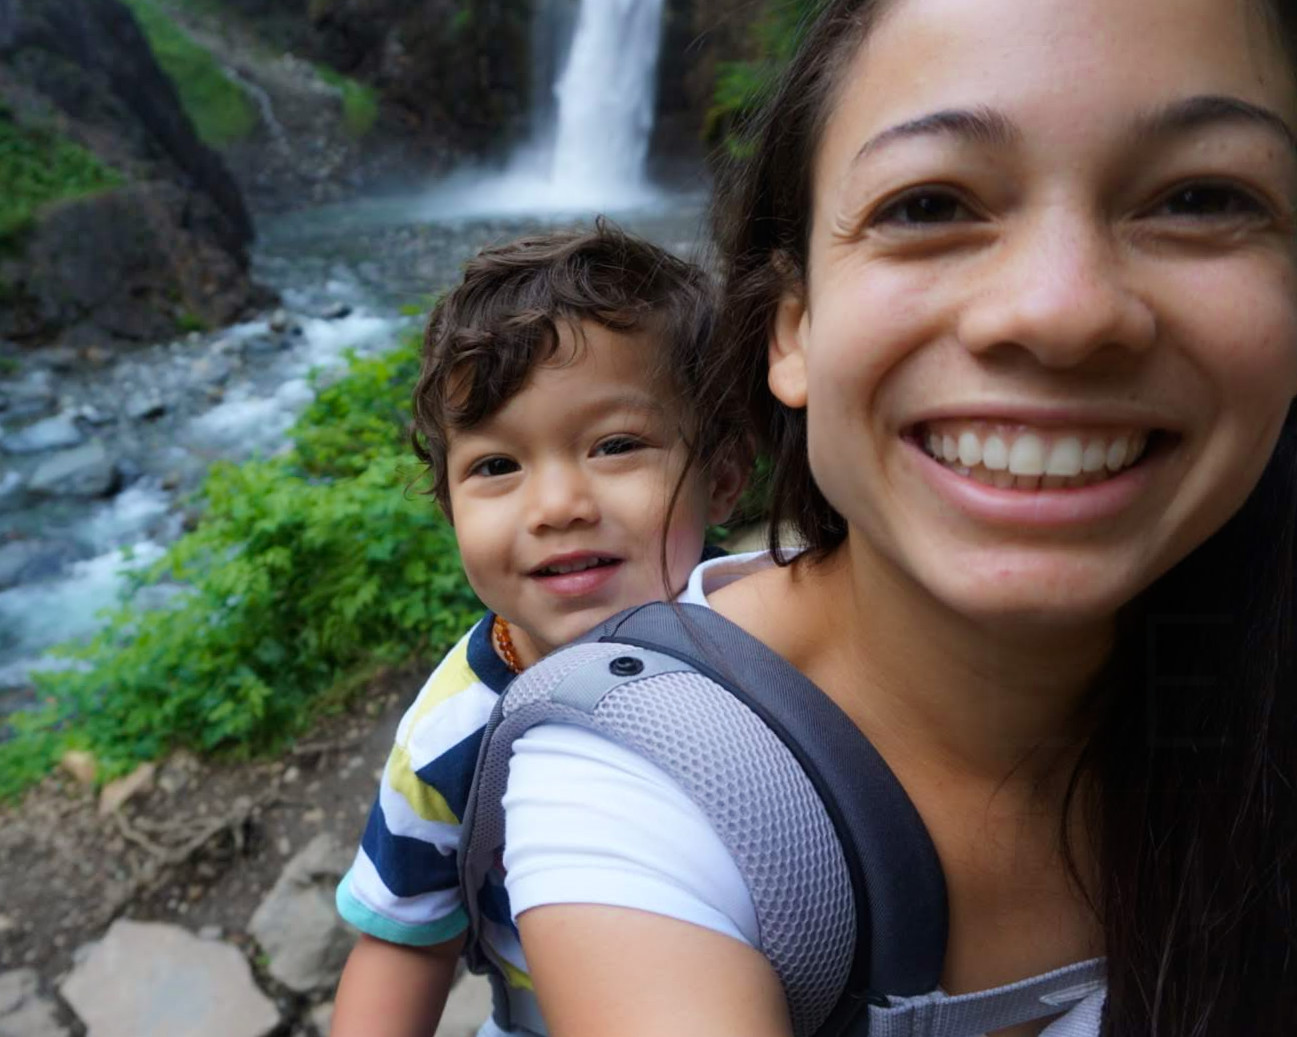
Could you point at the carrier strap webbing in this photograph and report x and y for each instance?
(898, 885)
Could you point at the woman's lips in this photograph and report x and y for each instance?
(1043, 502)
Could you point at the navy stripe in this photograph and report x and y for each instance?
(482, 660)
(494, 902)
(451, 773)
(407, 866)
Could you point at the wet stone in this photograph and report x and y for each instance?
(53, 433)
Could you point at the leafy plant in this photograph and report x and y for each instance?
(742, 86)
(37, 167)
(305, 570)
(359, 102)
(218, 107)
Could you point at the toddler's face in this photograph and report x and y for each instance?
(561, 499)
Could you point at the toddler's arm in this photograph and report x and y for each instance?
(391, 990)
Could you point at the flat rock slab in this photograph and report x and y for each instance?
(147, 979)
(23, 1012)
(297, 924)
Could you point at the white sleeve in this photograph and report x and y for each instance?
(590, 822)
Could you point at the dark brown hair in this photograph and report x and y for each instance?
(486, 335)
(1193, 761)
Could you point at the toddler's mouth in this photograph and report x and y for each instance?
(564, 566)
(1019, 457)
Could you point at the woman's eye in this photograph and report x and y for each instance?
(1209, 201)
(494, 466)
(919, 208)
(617, 445)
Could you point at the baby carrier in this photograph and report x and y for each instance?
(849, 895)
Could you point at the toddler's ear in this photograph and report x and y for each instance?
(726, 478)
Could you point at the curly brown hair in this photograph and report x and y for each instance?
(485, 336)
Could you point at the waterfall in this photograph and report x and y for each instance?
(594, 78)
(605, 99)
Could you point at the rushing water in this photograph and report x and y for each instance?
(370, 258)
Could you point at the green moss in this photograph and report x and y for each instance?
(221, 112)
(38, 167)
(359, 102)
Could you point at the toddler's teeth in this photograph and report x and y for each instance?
(934, 444)
(1027, 456)
(949, 448)
(970, 450)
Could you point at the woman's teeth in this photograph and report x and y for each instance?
(1026, 460)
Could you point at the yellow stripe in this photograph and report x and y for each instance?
(424, 800)
(448, 680)
(515, 976)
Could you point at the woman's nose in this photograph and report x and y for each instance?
(1060, 289)
(561, 495)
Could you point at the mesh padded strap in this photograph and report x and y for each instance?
(899, 887)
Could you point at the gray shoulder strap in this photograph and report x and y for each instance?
(731, 765)
(848, 892)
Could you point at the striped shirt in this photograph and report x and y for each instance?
(404, 884)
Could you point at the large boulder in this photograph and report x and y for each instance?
(128, 263)
(152, 980)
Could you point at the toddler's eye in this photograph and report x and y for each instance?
(1209, 201)
(493, 466)
(922, 207)
(617, 445)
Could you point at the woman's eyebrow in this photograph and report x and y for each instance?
(989, 127)
(1195, 113)
(977, 125)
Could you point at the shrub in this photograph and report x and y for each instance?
(218, 107)
(359, 102)
(306, 570)
(37, 167)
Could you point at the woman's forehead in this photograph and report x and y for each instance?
(1048, 63)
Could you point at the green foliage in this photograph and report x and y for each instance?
(359, 102)
(306, 570)
(38, 167)
(743, 86)
(218, 107)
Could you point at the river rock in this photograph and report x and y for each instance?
(53, 433)
(30, 396)
(23, 1012)
(297, 924)
(145, 408)
(336, 311)
(85, 471)
(154, 980)
(11, 490)
(24, 561)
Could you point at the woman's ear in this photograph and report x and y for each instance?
(786, 374)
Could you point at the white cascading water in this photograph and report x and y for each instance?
(593, 123)
(606, 98)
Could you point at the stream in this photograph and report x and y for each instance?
(162, 414)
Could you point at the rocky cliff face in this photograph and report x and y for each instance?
(457, 69)
(127, 263)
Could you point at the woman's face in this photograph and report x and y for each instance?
(1049, 334)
